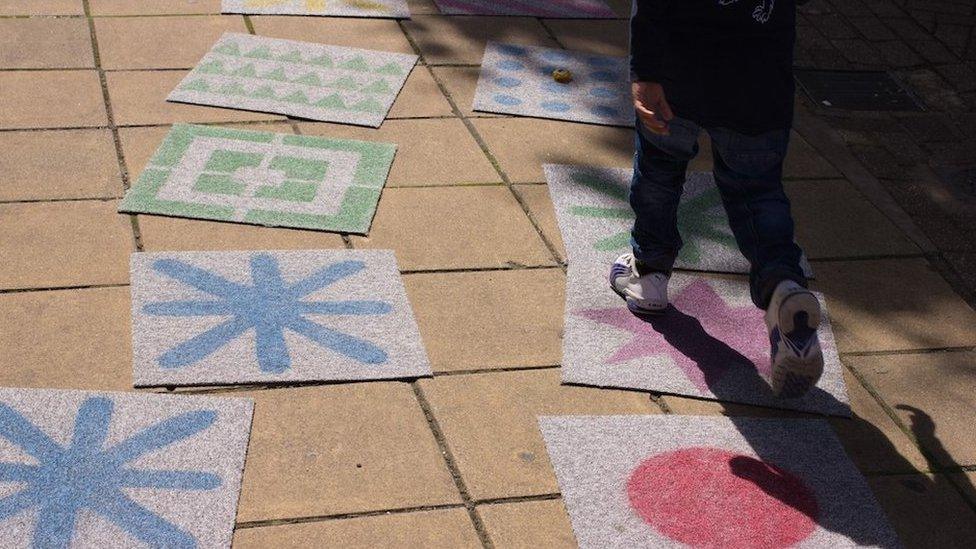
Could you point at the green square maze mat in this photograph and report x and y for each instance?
(262, 178)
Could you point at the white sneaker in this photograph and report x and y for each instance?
(644, 294)
(792, 318)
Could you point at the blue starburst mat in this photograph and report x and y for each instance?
(221, 318)
(82, 469)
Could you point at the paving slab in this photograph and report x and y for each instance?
(519, 80)
(263, 178)
(226, 318)
(607, 37)
(584, 9)
(522, 146)
(461, 83)
(301, 79)
(31, 174)
(926, 510)
(67, 339)
(447, 528)
(489, 422)
(422, 145)
(965, 265)
(421, 98)
(873, 441)
(178, 42)
(60, 244)
(669, 481)
(834, 220)
(139, 98)
(460, 40)
(45, 44)
(343, 8)
(157, 7)
(160, 234)
(51, 99)
(374, 34)
(376, 452)
(455, 228)
(118, 469)
(42, 7)
(933, 394)
(519, 317)
(539, 203)
(804, 162)
(893, 304)
(528, 524)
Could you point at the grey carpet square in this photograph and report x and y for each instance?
(565, 9)
(82, 469)
(519, 80)
(341, 8)
(595, 217)
(301, 79)
(263, 178)
(271, 317)
(682, 481)
(711, 343)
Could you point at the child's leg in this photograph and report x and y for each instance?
(749, 173)
(659, 176)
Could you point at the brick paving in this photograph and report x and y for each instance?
(457, 460)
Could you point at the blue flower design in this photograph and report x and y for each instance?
(269, 306)
(84, 475)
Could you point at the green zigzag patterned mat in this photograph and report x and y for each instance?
(262, 178)
(343, 8)
(301, 79)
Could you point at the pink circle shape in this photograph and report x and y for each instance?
(707, 497)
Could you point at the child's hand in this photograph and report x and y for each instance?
(652, 107)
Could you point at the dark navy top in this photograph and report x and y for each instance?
(726, 63)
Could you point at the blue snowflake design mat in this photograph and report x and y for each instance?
(81, 469)
(203, 318)
(518, 80)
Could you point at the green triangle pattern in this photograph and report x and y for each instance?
(368, 105)
(292, 57)
(278, 73)
(197, 85)
(333, 101)
(246, 71)
(345, 83)
(391, 69)
(262, 52)
(215, 66)
(380, 86)
(264, 92)
(310, 79)
(296, 97)
(233, 88)
(355, 64)
(230, 48)
(324, 60)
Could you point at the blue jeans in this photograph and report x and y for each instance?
(749, 174)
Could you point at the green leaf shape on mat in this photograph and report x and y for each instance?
(296, 97)
(333, 101)
(616, 241)
(261, 52)
(196, 85)
(215, 66)
(278, 73)
(264, 92)
(345, 83)
(310, 79)
(324, 60)
(368, 105)
(245, 71)
(390, 69)
(355, 64)
(380, 86)
(292, 57)
(695, 217)
(230, 48)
